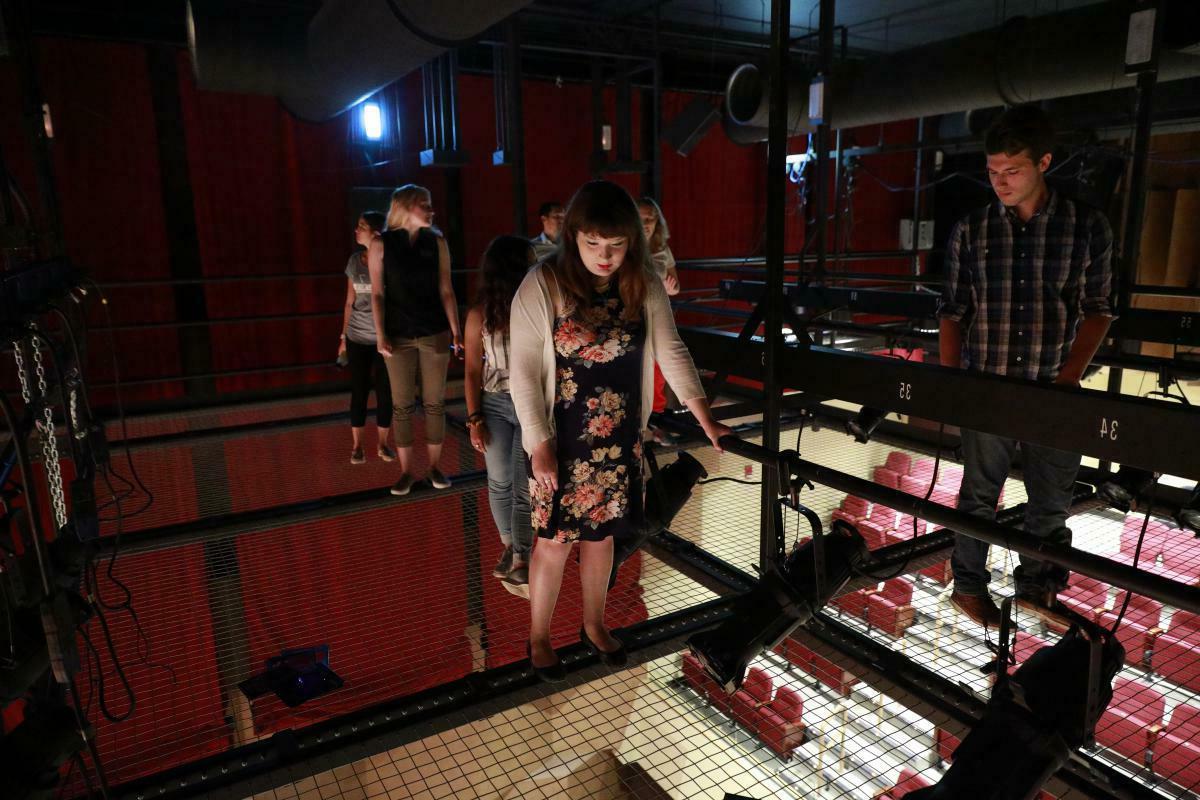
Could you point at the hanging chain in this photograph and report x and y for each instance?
(80, 431)
(22, 375)
(48, 436)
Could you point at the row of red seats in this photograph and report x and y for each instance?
(821, 668)
(887, 607)
(1172, 653)
(775, 720)
(1133, 725)
(1171, 552)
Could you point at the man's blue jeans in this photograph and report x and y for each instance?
(1049, 481)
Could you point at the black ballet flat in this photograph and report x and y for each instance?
(555, 673)
(616, 658)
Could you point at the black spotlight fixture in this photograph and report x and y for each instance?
(666, 492)
(786, 597)
(1125, 490)
(1035, 718)
(864, 423)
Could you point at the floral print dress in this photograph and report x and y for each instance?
(597, 417)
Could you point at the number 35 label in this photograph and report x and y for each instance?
(905, 391)
(1108, 428)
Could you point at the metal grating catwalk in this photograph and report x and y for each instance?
(401, 593)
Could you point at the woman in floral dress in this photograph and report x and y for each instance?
(587, 330)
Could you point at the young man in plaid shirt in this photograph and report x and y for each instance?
(1029, 294)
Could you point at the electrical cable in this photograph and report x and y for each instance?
(731, 480)
(112, 342)
(94, 593)
(1137, 554)
(94, 653)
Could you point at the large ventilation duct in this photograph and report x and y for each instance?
(1026, 59)
(346, 51)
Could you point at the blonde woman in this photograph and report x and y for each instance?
(416, 323)
(663, 261)
(657, 234)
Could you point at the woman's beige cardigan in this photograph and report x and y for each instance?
(532, 363)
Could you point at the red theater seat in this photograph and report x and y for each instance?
(697, 678)
(1180, 561)
(890, 609)
(819, 667)
(1139, 628)
(1132, 720)
(1152, 543)
(854, 603)
(779, 724)
(945, 744)
(940, 572)
(1085, 596)
(853, 510)
(913, 485)
(1176, 653)
(874, 534)
(904, 526)
(884, 517)
(908, 781)
(755, 693)
(1177, 750)
(898, 462)
(945, 497)
(922, 469)
(886, 477)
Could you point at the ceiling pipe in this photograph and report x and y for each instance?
(323, 64)
(1024, 60)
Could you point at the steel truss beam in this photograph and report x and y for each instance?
(1149, 434)
(870, 301)
(1180, 328)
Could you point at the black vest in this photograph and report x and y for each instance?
(412, 301)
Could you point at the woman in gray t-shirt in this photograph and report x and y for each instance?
(357, 347)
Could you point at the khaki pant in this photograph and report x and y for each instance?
(433, 355)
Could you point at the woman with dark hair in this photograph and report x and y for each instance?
(416, 323)
(358, 347)
(587, 329)
(491, 418)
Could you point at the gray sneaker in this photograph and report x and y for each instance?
(357, 456)
(403, 486)
(385, 453)
(438, 480)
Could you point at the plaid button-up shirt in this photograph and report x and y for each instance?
(1020, 288)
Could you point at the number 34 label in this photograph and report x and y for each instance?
(1108, 428)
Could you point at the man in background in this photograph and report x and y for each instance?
(1029, 294)
(546, 242)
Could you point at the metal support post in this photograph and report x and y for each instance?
(516, 126)
(781, 14)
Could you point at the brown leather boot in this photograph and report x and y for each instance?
(979, 608)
